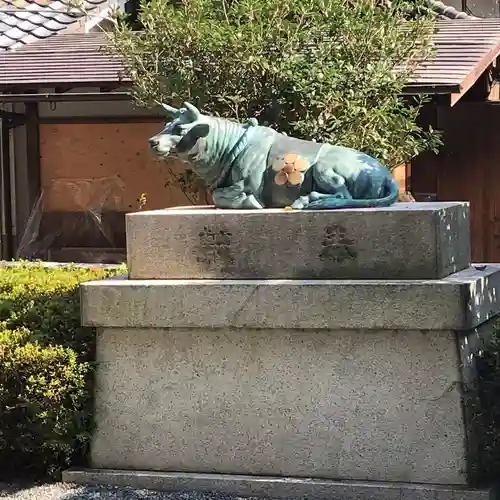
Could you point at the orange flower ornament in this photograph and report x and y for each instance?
(290, 170)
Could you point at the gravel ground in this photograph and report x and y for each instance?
(60, 491)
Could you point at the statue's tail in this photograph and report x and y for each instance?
(331, 202)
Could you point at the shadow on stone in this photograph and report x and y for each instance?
(480, 357)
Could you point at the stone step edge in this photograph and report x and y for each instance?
(461, 301)
(273, 487)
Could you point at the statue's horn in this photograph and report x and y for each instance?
(170, 110)
(192, 110)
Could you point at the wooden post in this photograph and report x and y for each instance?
(33, 152)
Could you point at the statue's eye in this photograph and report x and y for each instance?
(177, 130)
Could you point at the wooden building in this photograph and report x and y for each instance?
(466, 109)
(75, 158)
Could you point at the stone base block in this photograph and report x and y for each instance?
(359, 380)
(360, 405)
(404, 241)
(284, 488)
(459, 302)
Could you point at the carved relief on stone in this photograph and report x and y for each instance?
(215, 248)
(336, 245)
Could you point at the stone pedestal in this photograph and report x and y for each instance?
(350, 388)
(404, 241)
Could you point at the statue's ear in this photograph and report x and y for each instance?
(192, 112)
(173, 112)
(200, 130)
(188, 142)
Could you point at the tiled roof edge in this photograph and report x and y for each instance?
(448, 11)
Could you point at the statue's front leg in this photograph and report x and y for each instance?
(234, 196)
(251, 202)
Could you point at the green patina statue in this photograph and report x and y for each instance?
(251, 166)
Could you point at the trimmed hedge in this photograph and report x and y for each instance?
(45, 369)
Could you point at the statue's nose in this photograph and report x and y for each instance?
(153, 141)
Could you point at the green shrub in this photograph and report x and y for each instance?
(45, 398)
(45, 369)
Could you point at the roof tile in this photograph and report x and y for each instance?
(14, 33)
(26, 26)
(37, 20)
(44, 31)
(66, 58)
(462, 47)
(54, 20)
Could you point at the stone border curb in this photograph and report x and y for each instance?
(273, 487)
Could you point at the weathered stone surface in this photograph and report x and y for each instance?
(459, 302)
(478, 352)
(360, 405)
(284, 488)
(404, 241)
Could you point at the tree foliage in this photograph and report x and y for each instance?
(327, 70)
